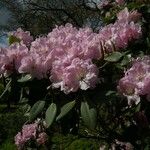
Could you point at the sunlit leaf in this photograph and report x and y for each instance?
(25, 78)
(50, 114)
(113, 57)
(65, 109)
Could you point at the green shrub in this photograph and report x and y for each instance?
(8, 145)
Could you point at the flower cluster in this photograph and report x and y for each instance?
(124, 30)
(126, 16)
(136, 81)
(25, 37)
(30, 132)
(65, 55)
(11, 57)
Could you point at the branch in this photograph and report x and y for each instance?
(69, 14)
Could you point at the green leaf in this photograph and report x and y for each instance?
(50, 114)
(110, 93)
(26, 108)
(138, 107)
(6, 89)
(23, 100)
(125, 60)
(12, 39)
(113, 57)
(88, 115)
(65, 109)
(36, 109)
(148, 42)
(25, 78)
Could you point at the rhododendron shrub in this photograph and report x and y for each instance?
(75, 78)
(52, 56)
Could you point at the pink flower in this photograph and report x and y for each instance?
(79, 74)
(39, 46)
(118, 35)
(28, 132)
(42, 138)
(36, 65)
(136, 81)
(126, 16)
(11, 58)
(24, 36)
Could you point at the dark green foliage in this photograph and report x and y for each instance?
(71, 142)
(83, 144)
(8, 145)
(10, 122)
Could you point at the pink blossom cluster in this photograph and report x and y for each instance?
(65, 55)
(11, 57)
(42, 138)
(124, 30)
(126, 16)
(30, 133)
(136, 81)
(24, 36)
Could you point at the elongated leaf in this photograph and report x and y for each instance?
(138, 107)
(25, 78)
(36, 109)
(114, 57)
(148, 41)
(65, 109)
(88, 115)
(6, 89)
(50, 114)
(26, 108)
(110, 93)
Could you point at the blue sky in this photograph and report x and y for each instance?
(4, 18)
